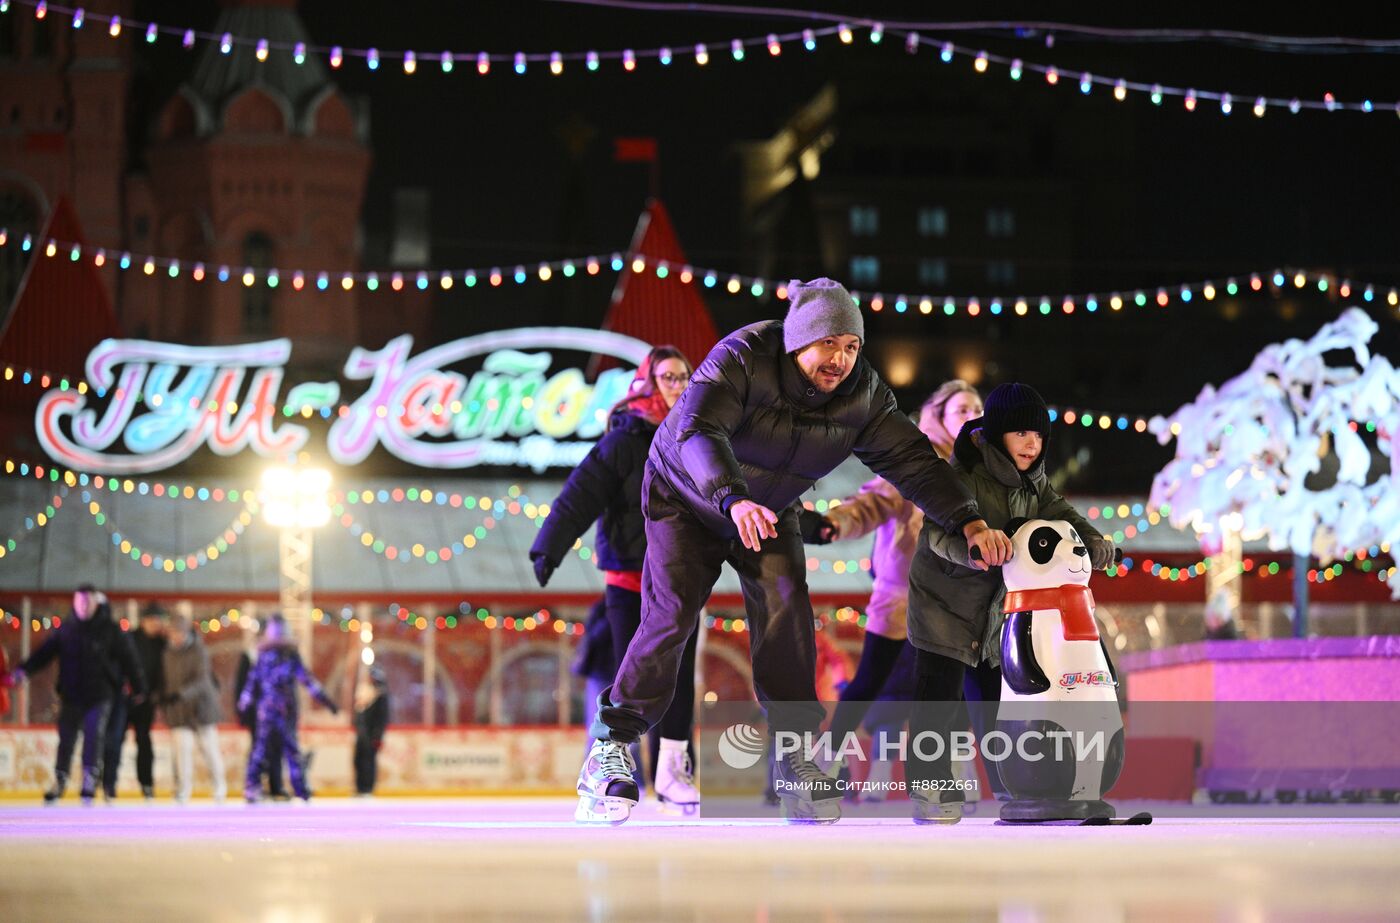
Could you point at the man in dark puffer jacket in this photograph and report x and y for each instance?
(775, 406)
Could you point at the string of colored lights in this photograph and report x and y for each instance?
(35, 521)
(1160, 296)
(157, 489)
(175, 563)
(517, 505)
(520, 62)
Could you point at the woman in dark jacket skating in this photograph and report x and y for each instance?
(607, 487)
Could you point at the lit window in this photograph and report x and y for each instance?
(1001, 222)
(933, 221)
(865, 270)
(1001, 272)
(933, 272)
(865, 220)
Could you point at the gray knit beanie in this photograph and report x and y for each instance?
(818, 309)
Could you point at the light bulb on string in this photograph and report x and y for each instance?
(226, 43)
(947, 53)
(114, 28)
(556, 63)
(1260, 106)
(447, 62)
(809, 40)
(1120, 90)
(1227, 105)
(702, 55)
(520, 62)
(1295, 105)
(151, 33)
(736, 49)
(1086, 83)
(483, 64)
(1052, 76)
(188, 40)
(979, 63)
(299, 53)
(410, 62)
(844, 33)
(78, 15)
(337, 57)
(911, 43)
(1016, 69)
(629, 60)
(1190, 101)
(774, 47)
(877, 33)
(372, 59)
(260, 52)
(664, 56)
(1156, 94)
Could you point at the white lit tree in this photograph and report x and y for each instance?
(1250, 455)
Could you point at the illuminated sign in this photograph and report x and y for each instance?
(166, 401)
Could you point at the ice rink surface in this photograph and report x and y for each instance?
(524, 859)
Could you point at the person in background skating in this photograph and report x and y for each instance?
(248, 718)
(896, 522)
(774, 406)
(149, 641)
(123, 702)
(955, 601)
(371, 721)
(191, 706)
(608, 484)
(272, 685)
(91, 652)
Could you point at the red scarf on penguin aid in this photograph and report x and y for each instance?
(1075, 604)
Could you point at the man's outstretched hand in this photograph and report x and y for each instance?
(755, 523)
(994, 545)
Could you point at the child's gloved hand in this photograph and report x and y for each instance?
(1101, 553)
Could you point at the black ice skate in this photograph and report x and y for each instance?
(809, 796)
(56, 792)
(607, 791)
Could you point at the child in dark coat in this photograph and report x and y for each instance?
(272, 685)
(371, 721)
(954, 601)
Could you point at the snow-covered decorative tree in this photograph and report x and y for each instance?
(1296, 450)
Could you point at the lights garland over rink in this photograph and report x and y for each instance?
(408, 61)
(1132, 521)
(1105, 301)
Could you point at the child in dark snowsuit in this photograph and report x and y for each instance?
(272, 684)
(371, 721)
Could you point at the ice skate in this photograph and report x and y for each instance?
(56, 792)
(675, 780)
(89, 789)
(607, 793)
(928, 809)
(809, 796)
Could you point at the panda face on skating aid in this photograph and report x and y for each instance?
(1046, 554)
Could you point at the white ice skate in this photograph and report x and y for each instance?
(675, 781)
(607, 792)
(808, 795)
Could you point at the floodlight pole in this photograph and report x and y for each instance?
(294, 547)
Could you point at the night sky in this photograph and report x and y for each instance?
(1161, 195)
